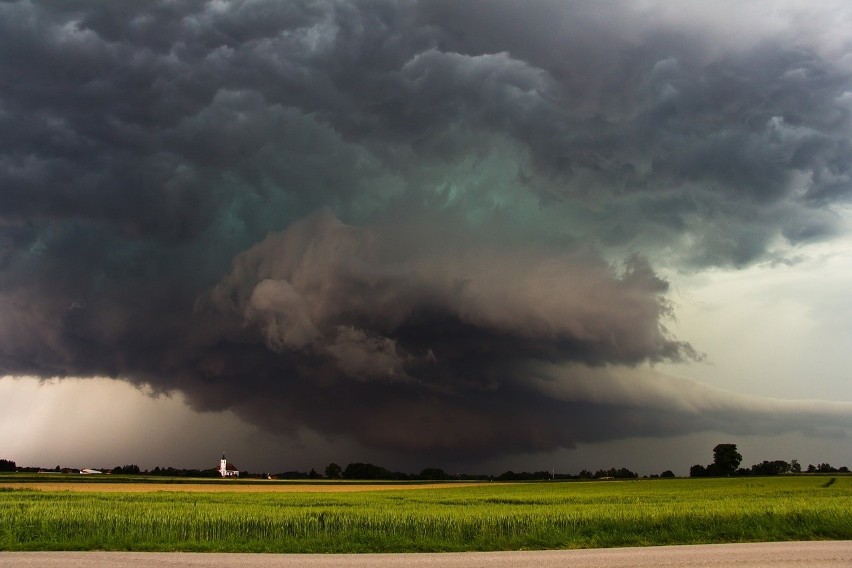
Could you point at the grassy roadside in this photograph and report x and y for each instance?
(446, 518)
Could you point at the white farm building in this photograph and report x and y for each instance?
(227, 469)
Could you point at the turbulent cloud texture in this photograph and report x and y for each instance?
(429, 226)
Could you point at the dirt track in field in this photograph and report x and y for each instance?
(226, 487)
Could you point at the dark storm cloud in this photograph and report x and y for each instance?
(353, 295)
(160, 163)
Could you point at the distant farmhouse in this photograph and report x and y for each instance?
(227, 469)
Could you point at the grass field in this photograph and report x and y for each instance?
(282, 518)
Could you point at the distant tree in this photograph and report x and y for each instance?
(795, 466)
(698, 471)
(726, 458)
(369, 471)
(585, 474)
(313, 474)
(811, 468)
(433, 473)
(667, 473)
(333, 471)
(8, 465)
(621, 473)
(843, 469)
(712, 470)
(775, 467)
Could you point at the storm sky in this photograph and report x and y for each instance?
(471, 234)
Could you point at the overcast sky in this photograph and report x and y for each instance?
(479, 235)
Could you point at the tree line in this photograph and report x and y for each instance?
(726, 462)
(353, 471)
(370, 471)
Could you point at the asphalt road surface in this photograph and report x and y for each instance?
(827, 554)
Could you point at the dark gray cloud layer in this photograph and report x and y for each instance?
(381, 218)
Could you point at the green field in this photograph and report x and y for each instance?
(448, 518)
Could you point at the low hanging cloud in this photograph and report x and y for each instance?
(420, 224)
(373, 302)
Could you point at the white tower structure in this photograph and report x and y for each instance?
(226, 469)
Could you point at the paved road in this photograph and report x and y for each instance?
(832, 554)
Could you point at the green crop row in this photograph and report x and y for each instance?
(485, 517)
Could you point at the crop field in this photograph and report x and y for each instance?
(446, 517)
